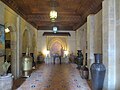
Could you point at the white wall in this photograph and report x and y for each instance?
(81, 35)
(41, 41)
(72, 42)
(98, 32)
(81, 39)
(10, 18)
(118, 45)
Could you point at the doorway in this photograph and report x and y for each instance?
(11, 50)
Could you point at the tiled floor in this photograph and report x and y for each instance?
(55, 77)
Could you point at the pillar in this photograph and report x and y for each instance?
(13, 52)
(90, 39)
(2, 8)
(19, 47)
(118, 44)
(109, 43)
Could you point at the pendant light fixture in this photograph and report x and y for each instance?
(53, 12)
(53, 15)
(55, 29)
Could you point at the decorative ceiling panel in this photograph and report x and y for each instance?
(71, 13)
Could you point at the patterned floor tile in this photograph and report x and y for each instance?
(55, 77)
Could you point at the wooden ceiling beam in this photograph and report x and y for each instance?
(61, 28)
(70, 18)
(56, 34)
(13, 5)
(71, 14)
(55, 23)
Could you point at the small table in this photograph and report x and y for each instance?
(54, 57)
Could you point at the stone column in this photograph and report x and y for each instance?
(2, 8)
(90, 39)
(13, 52)
(19, 47)
(118, 44)
(109, 43)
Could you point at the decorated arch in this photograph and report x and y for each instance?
(56, 45)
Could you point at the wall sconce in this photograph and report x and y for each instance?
(47, 53)
(7, 30)
(65, 53)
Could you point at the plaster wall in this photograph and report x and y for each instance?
(89, 37)
(98, 32)
(10, 18)
(41, 42)
(81, 39)
(72, 42)
(31, 31)
(109, 43)
(81, 35)
(117, 45)
(1, 22)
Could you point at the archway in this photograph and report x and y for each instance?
(56, 49)
(56, 45)
(26, 41)
(11, 49)
(33, 47)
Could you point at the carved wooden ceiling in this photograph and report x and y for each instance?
(71, 13)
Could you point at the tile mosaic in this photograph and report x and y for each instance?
(55, 77)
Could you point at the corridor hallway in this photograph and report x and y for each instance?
(55, 77)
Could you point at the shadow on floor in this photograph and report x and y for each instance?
(18, 82)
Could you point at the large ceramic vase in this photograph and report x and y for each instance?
(6, 82)
(79, 59)
(27, 64)
(85, 71)
(97, 73)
